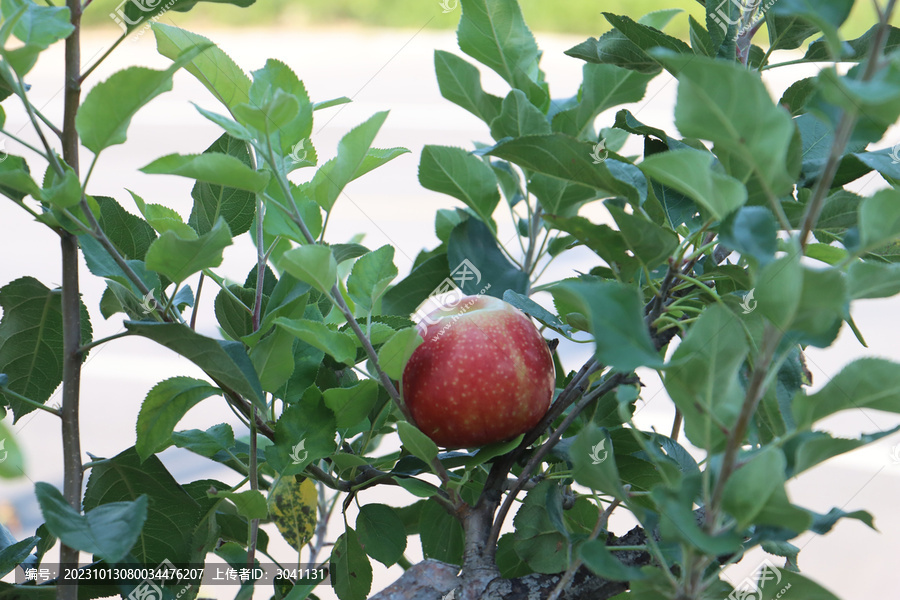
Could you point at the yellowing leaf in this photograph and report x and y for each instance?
(292, 506)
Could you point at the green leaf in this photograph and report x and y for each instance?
(854, 50)
(178, 258)
(571, 160)
(795, 583)
(479, 267)
(822, 524)
(616, 316)
(875, 101)
(457, 173)
(273, 359)
(250, 503)
(106, 112)
(269, 83)
(749, 488)
(626, 44)
(873, 280)
(605, 241)
(370, 277)
(594, 463)
(351, 572)
(166, 403)
(417, 487)
(377, 157)
(109, 530)
(14, 553)
(702, 378)
(441, 534)
(879, 219)
(603, 87)
(649, 242)
(353, 404)
(338, 345)
(535, 310)
(725, 103)
(130, 235)
(381, 533)
(599, 558)
(405, 297)
(678, 522)
(213, 68)
(460, 83)
(331, 178)
(31, 342)
(36, 26)
(691, 172)
(13, 465)
(559, 197)
(778, 288)
(172, 514)
(395, 352)
(752, 231)
(304, 433)
(824, 304)
(275, 113)
(824, 17)
(62, 193)
(211, 201)
(810, 448)
(314, 264)
(518, 117)
(162, 218)
(865, 383)
(210, 167)
(217, 438)
(292, 505)
(233, 311)
(226, 362)
(538, 539)
(15, 179)
(644, 36)
(494, 33)
(417, 443)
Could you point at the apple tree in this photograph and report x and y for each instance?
(732, 244)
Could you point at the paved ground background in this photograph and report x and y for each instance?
(393, 70)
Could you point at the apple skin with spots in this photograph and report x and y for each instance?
(484, 374)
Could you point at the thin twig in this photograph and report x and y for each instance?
(608, 385)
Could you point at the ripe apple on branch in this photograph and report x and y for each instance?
(484, 374)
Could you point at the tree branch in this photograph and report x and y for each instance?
(71, 299)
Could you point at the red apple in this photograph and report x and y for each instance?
(484, 374)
